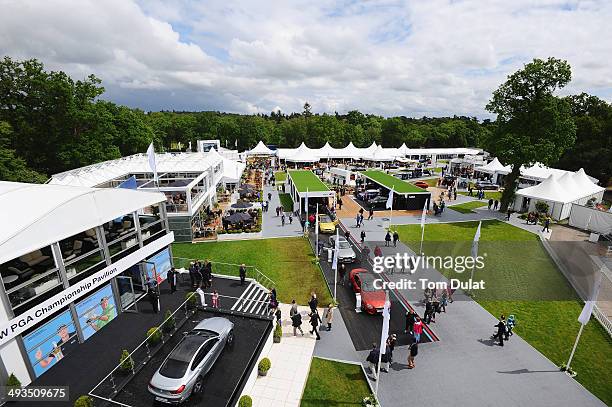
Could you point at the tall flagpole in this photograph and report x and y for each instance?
(567, 369)
(335, 262)
(317, 233)
(423, 226)
(383, 339)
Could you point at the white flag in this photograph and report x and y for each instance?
(384, 334)
(317, 230)
(389, 204)
(336, 247)
(475, 243)
(306, 199)
(151, 155)
(585, 315)
(236, 143)
(424, 214)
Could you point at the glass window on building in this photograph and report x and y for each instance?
(29, 276)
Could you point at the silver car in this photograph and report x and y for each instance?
(345, 251)
(181, 374)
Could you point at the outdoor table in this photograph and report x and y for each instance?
(10, 279)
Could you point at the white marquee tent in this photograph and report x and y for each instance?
(261, 149)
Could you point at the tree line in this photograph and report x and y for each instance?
(51, 123)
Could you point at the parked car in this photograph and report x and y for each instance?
(421, 184)
(377, 201)
(181, 374)
(372, 299)
(402, 175)
(326, 224)
(345, 251)
(486, 185)
(426, 172)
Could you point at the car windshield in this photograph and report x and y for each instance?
(344, 244)
(173, 369)
(324, 219)
(367, 282)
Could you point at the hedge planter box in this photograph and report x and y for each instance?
(238, 236)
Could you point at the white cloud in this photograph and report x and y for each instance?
(411, 58)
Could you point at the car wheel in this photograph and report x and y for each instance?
(230, 338)
(198, 386)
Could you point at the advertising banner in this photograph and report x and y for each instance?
(96, 311)
(48, 344)
(162, 263)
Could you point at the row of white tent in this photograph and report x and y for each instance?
(305, 154)
(537, 172)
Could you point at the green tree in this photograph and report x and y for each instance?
(532, 124)
(13, 168)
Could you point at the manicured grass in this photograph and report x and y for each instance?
(289, 262)
(438, 170)
(280, 176)
(286, 201)
(306, 180)
(488, 195)
(334, 384)
(522, 280)
(389, 181)
(467, 207)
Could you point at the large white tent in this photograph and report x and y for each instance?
(35, 215)
(559, 193)
(303, 154)
(261, 149)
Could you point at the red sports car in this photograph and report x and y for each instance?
(421, 184)
(372, 299)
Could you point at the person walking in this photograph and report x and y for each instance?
(387, 358)
(546, 224)
(387, 239)
(508, 213)
(443, 300)
(329, 316)
(342, 273)
(313, 302)
(283, 219)
(363, 236)
(357, 218)
(192, 272)
(372, 360)
(455, 194)
(410, 319)
(172, 279)
(395, 238)
(296, 318)
(340, 203)
(501, 330)
(490, 203)
(215, 299)
(495, 204)
(315, 320)
(417, 329)
(290, 218)
(208, 277)
(371, 213)
(152, 294)
(428, 312)
(414, 351)
(377, 251)
(242, 272)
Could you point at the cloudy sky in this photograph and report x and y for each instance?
(408, 58)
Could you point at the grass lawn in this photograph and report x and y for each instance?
(438, 170)
(287, 261)
(467, 207)
(334, 384)
(286, 201)
(488, 195)
(522, 280)
(280, 176)
(306, 180)
(390, 181)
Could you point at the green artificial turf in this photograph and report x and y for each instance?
(289, 262)
(389, 181)
(438, 170)
(280, 176)
(306, 180)
(334, 384)
(522, 280)
(286, 201)
(467, 207)
(488, 194)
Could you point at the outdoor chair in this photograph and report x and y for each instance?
(34, 258)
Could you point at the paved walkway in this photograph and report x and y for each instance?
(284, 384)
(272, 226)
(468, 368)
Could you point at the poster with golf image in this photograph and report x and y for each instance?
(162, 265)
(96, 311)
(49, 343)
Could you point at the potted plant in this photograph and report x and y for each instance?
(169, 322)
(278, 333)
(245, 401)
(370, 401)
(84, 401)
(126, 363)
(13, 381)
(154, 336)
(191, 299)
(263, 366)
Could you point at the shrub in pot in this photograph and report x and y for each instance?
(191, 299)
(278, 333)
(126, 363)
(84, 401)
(154, 336)
(169, 322)
(263, 366)
(245, 401)
(13, 381)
